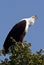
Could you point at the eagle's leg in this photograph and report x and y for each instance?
(23, 45)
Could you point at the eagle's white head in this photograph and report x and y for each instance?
(30, 21)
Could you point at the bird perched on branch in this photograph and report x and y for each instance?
(18, 32)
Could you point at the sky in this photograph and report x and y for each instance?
(11, 11)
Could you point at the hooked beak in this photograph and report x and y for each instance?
(35, 17)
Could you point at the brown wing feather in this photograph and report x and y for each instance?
(17, 32)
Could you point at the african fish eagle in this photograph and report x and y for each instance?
(18, 31)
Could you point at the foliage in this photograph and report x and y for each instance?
(22, 55)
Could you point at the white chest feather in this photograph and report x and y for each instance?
(27, 26)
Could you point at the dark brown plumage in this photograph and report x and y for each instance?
(17, 32)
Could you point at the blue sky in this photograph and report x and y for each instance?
(11, 11)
